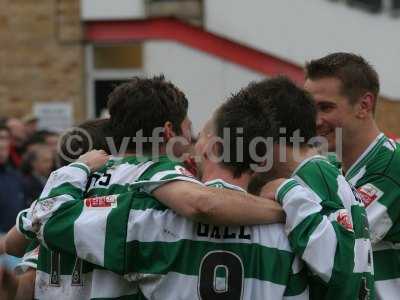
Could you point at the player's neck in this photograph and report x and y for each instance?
(215, 171)
(355, 146)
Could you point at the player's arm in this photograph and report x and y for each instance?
(15, 243)
(20, 287)
(324, 245)
(26, 285)
(218, 206)
(64, 187)
(2, 242)
(17, 287)
(381, 197)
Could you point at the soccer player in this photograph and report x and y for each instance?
(325, 223)
(144, 104)
(50, 275)
(345, 88)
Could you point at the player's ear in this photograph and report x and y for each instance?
(168, 131)
(215, 150)
(211, 149)
(365, 105)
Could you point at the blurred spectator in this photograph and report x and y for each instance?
(18, 138)
(47, 137)
(36, 167)
(11, 185)
(33, 141)
(51, 139)
(11, 192)
(31, 124)
(4, 143)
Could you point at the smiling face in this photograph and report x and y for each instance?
(333, 108)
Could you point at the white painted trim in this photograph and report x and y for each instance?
(90, 103)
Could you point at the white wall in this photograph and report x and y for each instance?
(299, 30)
(112, 9)
(206, 80)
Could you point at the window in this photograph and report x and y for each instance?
(118, 57)
(106, 67)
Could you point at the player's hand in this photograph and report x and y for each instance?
(8, 284)
(269, 190)
(94, 159)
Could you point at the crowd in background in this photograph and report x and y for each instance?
(27, 157)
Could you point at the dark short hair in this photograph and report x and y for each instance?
(261, 110)
(145, 104)
(75, 142)
(354, 72)
(257, 182)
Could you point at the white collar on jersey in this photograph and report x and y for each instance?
(225, 184)
(365, 153)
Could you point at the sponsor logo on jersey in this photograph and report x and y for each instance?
(44, 206)
(369, 193)
(343, 219)
(101, 202)
(219, 185)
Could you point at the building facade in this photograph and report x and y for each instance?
(47, 54)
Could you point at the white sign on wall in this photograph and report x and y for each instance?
(54, 116)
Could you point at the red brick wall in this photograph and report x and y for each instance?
(388, 115)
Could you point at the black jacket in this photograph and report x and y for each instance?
(12, 198)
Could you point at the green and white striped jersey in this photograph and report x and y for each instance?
(376, 176)
(63, 276)
(327, 227)
(30, 258)
(171, 257)
(60, 274)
